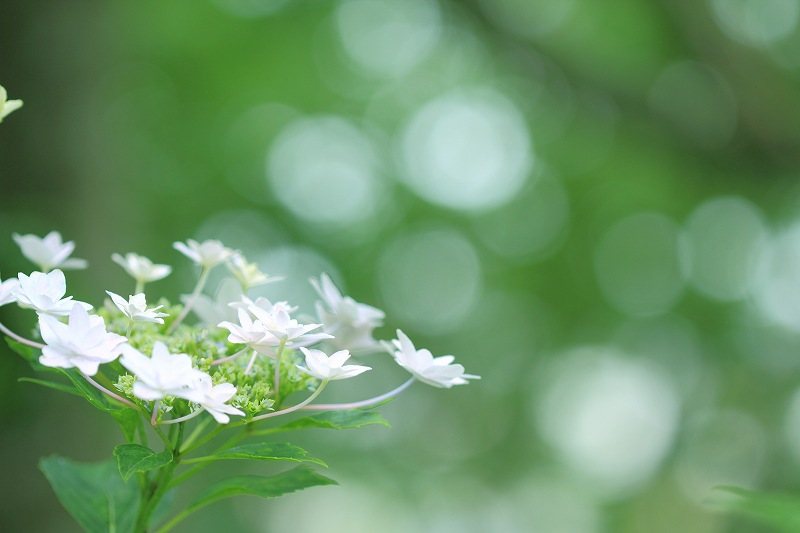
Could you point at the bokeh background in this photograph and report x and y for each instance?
(593, 205)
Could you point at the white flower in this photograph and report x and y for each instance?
(136, 308)
(349, 321)
(206, 254)
(82, 343)
(49, 252)
(162, 375)
(438, 371)
(7, 289)
(252, 333)
(45, 293)
(264, 304)
(330, 368)
(248, 274)
(285, 328)
(7, 106)
(215, 397)
(141, 268)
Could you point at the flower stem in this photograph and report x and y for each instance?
(250, 364)
(228, 358)
(161, 485)
(294, 407)
(183, 418)
(361, 404)
(105, 390)
(278, 369)
(192, 299)
(154, 418)
(139, 287)
(20, 339)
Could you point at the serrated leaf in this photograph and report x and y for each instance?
(779, 511)
(94, 494)
(132, 458)
(51, 385)
(263, 451)
(333, 420)
(299, 478)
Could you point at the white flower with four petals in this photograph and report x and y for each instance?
(435, 371)
(319, 365)
(135, 308)
(49, 252)
(45, 293)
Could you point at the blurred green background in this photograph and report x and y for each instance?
(593, 205)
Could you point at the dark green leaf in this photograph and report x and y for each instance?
(51, 385)
(94, 494)
(301, 477)
(779, 511)
(91, 394)
(263, 451)
(333, 420)
(128, 420)
(132, 458)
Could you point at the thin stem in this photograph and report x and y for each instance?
(154, 418)
(229, 358)
(139, 287)
(196, 433)
(294, 407)
(130, 328)
(17, 338)
(105, 390)
(192, 299)
(250, 364)
(183, 418)
(278, 369)
(363, 403)
(162, 484)
(205, 439)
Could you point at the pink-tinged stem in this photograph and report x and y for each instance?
(105, 390)
(294, 407)
(20, 339)
(358, 405)
(278, 355)
(183, 418)
(229, 358)
(154, 418)
(250, 364)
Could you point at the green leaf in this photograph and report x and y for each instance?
(128, 420)
(91, 394)
(779, 511)
(263, 451)
(94, 494)
(28, 353)
(299, 478)
(332, 420)
(132, 458)
(51, 385)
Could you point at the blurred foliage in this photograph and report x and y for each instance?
(593, 205)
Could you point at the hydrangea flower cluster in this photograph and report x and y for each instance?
(149, 363)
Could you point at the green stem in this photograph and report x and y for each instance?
(278, 355)
(192, 299)
(161, 485)
(199, 428)
(139, 287)
(294, 407)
